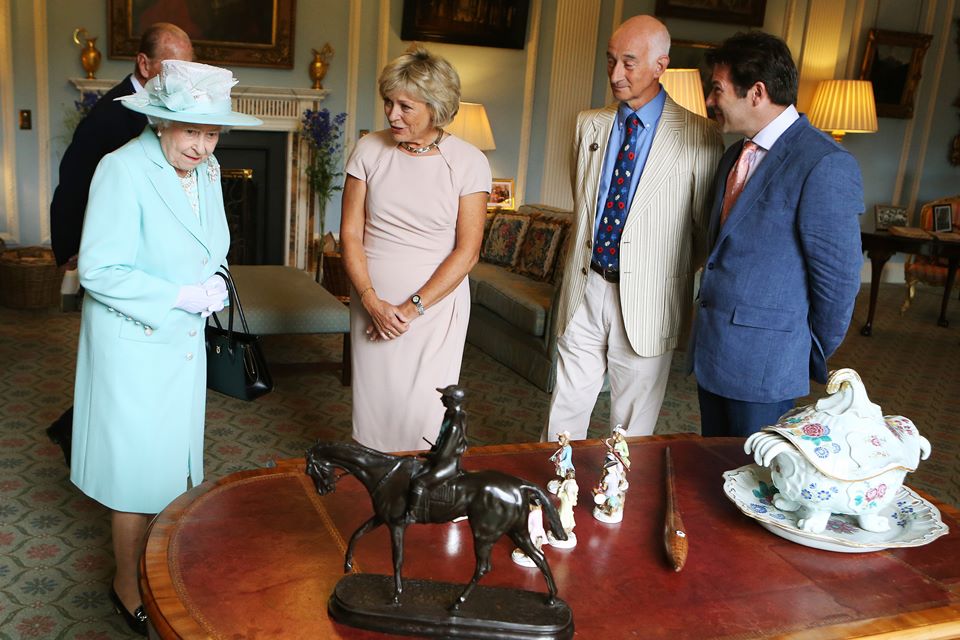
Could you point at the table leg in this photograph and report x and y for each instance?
(878, 258)
(951, 278)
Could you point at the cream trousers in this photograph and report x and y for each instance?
(595, 343)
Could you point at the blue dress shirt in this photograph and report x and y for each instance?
(649, 115)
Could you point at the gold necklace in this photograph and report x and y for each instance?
(422, 150)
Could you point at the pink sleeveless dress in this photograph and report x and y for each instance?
(412, 203)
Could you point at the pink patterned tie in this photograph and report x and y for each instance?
(738, 178)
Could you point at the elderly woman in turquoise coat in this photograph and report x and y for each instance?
(154, 236)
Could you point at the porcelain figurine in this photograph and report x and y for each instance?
(610, 493)
(538, 535)
(617, 448)
(567, 492)
(839, 455)
(562, 461)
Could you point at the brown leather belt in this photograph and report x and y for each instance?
(607, 274)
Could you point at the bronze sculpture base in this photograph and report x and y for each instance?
(365, 601)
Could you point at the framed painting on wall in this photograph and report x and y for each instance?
(748, 12)
(247, 33)
(488, 23)
(893, 62)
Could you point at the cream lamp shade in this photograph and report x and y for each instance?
(686, 89)
(471, 124)
(844, 106)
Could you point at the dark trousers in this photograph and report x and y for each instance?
(61, 432)
(721, 416)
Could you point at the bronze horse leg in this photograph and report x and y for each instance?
(396, 538)
(522, 539)
(372, 523)
(481, 550)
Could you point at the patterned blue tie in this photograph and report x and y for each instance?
(616, 206)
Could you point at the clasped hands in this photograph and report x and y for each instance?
(388, 321)
(205, 299)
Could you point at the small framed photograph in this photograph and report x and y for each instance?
(942, 217)
(887, 216)
(501, 194)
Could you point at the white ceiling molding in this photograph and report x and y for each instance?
(529, 89)
(11, 233)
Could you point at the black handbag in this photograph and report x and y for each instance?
(235, 363)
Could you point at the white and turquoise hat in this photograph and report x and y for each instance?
(190, 92)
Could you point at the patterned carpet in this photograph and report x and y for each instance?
(55, 559)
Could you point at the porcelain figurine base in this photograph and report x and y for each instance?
(569, 543)
(611, 518)
(365, 601)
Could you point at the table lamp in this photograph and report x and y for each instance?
(686, 89)
(844, 106)
(471, 124)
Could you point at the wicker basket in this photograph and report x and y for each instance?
(29, 278)
(335, 278)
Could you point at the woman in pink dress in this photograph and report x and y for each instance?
(414, 204)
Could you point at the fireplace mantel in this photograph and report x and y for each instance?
(280, 108)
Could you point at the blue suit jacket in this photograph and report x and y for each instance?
(783, 271)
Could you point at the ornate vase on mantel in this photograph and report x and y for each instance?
(90, 55)
(320, 65)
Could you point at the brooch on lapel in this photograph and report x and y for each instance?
(213, 170)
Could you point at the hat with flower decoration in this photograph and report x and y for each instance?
(190, 92)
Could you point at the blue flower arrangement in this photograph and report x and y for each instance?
(324, 134)
(81, 108)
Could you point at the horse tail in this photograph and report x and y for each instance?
(553, 516)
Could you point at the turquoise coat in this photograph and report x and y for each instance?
(140, 389)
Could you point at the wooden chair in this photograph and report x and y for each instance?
(925, 269)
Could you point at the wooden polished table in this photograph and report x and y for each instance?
(881, 245)
(257, 554)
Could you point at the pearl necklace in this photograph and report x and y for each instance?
(422, 150)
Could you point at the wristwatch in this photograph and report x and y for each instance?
(415, 299)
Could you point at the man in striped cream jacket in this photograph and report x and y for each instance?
(642, 187)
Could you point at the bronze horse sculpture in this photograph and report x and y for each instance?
(496, 504)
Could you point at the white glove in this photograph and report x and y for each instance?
(217, 286)
(197, 299)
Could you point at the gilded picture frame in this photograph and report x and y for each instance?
(893, 62)
(501, 195)
(245, 33)
(746, 12)
(492, 23)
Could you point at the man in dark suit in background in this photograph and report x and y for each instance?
(783, 270)
(106, 128)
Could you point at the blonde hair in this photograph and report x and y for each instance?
(427, 76)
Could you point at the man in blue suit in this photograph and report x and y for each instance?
(106, 128)
(783, 269)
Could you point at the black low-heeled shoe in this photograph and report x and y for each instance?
(137, 621)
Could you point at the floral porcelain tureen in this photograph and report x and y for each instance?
(839, 455)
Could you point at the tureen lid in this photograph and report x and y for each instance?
(847, 437)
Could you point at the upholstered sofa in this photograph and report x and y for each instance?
(514, 289)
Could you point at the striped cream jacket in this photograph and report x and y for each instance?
(665, 236)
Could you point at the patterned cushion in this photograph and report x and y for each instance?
(505, 238)
(539, 250)
(556, 277)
